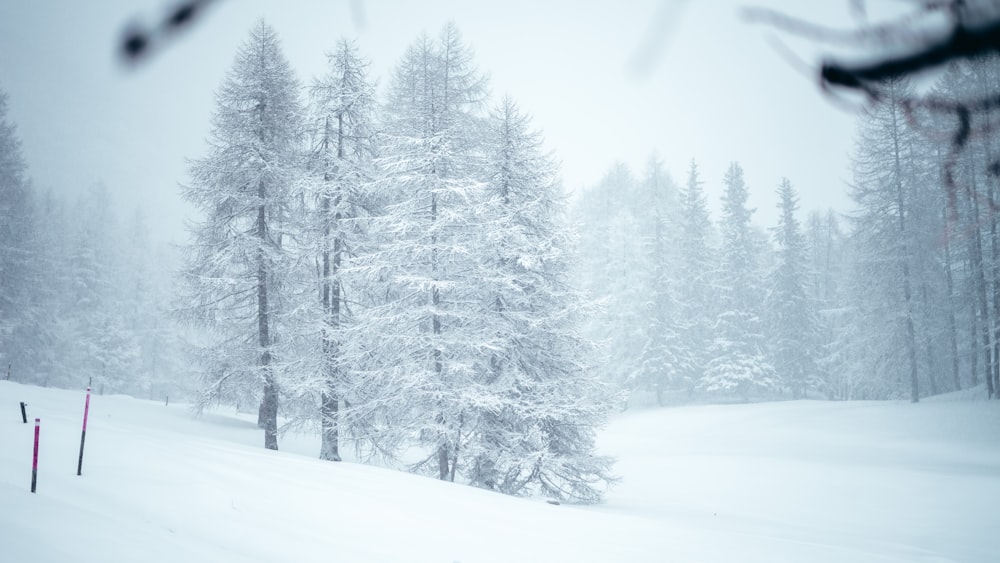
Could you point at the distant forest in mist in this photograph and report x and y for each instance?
(402, 267)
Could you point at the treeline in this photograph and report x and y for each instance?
(692, 308)
(84, 294)
(898, 298)
(393, 271)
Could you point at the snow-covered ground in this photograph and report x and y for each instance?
(798, 481)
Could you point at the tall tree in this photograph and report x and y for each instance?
(885, 176)
(339, 170)
(738, 361)
(666, 361)
(237, 264)
(535, 433)
(17, 238)
(792, 323)
(432, 179)
(695, 270)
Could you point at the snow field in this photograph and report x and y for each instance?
(797, 481)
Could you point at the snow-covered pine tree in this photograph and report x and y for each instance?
(534, 433)
(338, 174)
(695, 271)
(237, 266)
(19, 279)
(612, 267)
(792, 325)
(738, 362)
(102, 348)
(426, 328)
(665, 362)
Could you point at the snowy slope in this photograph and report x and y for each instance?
(802, 481)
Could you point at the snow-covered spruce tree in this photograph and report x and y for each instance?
(826, 248)
(791, 319)
(696, 268)
(613, 269)
(738, 362)
(338, 172)
(236, 266)
(426, 330)
(665, 362)
(103, 349)
(534, 431)
(19, 281)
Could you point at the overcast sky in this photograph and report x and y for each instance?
(715, 90)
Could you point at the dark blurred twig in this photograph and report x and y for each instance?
(138, 42)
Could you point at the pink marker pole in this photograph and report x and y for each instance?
(34, 458)
(83, 435)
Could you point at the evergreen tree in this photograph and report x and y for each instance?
(614, 270)
(738, 362)
(237, 266)
(792, 324)
(695, 276)
(102, 351)
(18, 259)
(666, 361)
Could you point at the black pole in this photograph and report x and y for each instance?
(24, 415)
(83, 434)
(34, 459)
(79, 464)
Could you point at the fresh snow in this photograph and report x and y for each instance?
(800, 481)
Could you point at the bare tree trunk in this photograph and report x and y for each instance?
(928, 346)
(952, 328)
(269, 406)
(984, 308)
(443, 462)
(911, 344)
(331, 297)
(995, 275)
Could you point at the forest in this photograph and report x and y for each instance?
(399, 269)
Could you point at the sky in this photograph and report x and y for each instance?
(604, 80)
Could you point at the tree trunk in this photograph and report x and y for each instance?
(952, 325)
(329, 411)
(984, 308)
(330, 399)
(269, 406)
(443, 462)
(911, 344)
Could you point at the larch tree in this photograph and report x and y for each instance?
(534, 433)
(426, 328)
(884, 180)
(237, 265)
(339, 170)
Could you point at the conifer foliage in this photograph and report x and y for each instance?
(238, 266)
(400, 271)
